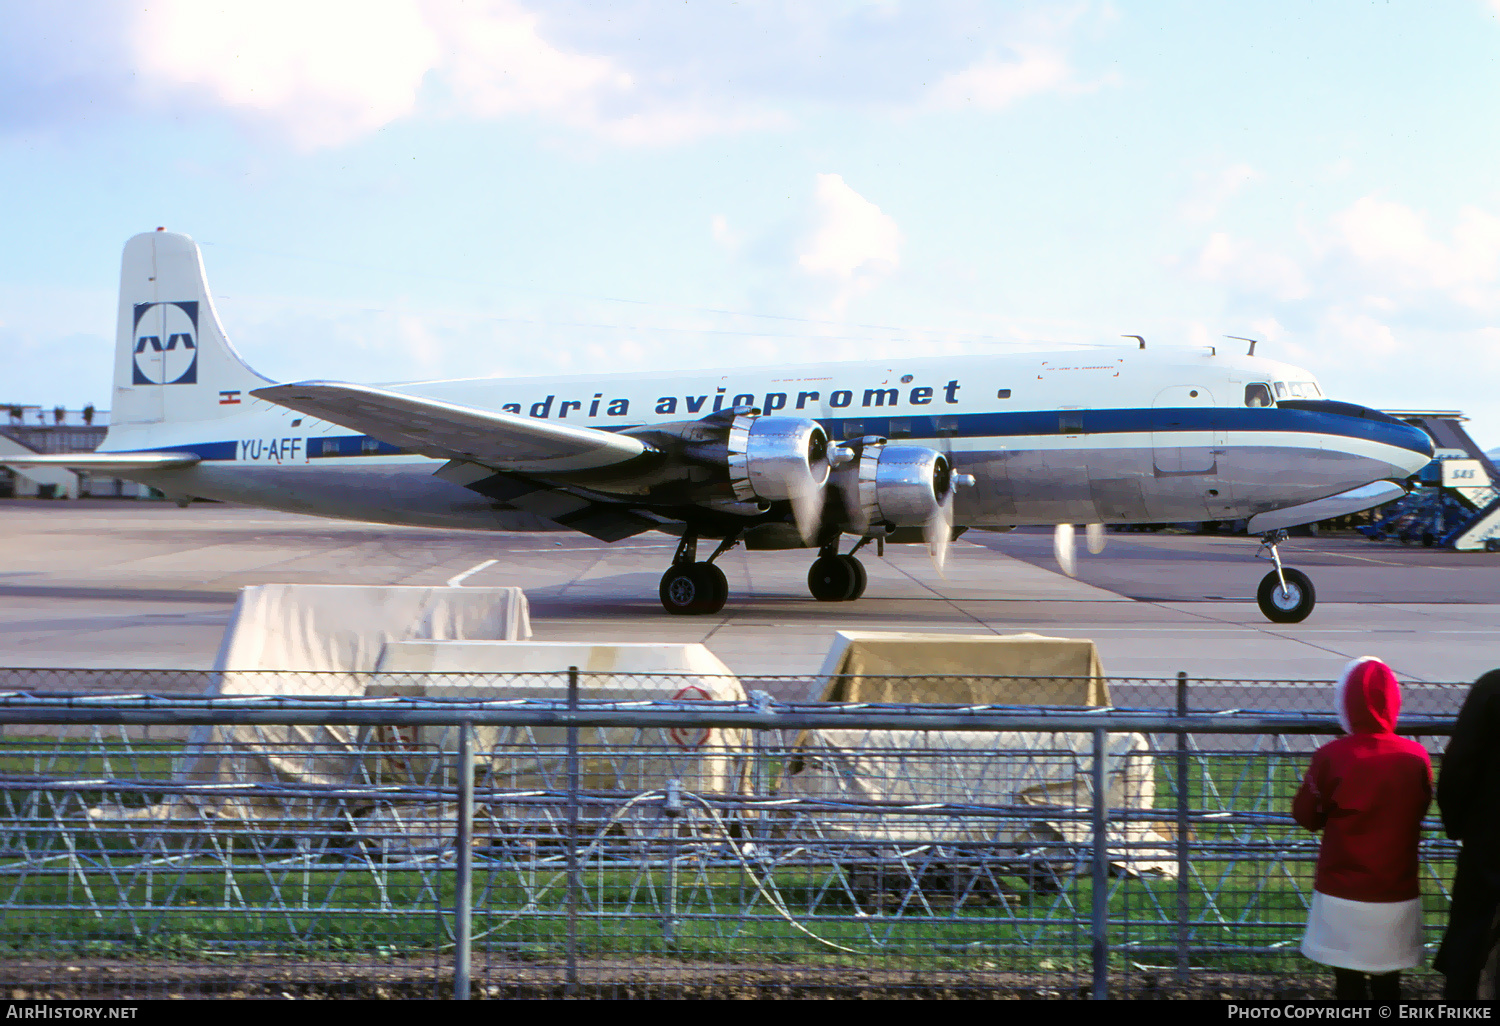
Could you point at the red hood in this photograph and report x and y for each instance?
(1368, 700)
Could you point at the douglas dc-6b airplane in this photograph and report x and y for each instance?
(894, 451)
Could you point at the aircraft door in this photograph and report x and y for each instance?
(1187, 444)
(1183, 438)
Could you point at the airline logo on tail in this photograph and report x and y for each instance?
(166, 351)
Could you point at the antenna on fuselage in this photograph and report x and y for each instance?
(1137, 338)
(1242, 338)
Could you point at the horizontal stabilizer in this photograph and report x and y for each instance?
(1356, 500)
(105, 462)
(449, 431)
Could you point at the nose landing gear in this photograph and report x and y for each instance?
(1285, 595)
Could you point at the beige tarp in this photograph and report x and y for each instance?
(317, 640)
(949, 669)
(1016, 769)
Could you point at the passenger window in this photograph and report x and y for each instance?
(1257, 395)
(900, 427)
(853, 429)
(330, 447)
(947, 427)
(1070, 422)
(368, 445)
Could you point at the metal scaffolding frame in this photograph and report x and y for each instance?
(562, 879)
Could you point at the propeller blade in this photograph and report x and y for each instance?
(939, 534)
(1095, 535)
(1062, 548)
(807, 511)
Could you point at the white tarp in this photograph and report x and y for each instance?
(1018, 770)
(624, 760)
(337, 628)
(318, 640)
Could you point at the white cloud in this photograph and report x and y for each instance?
(321, 70)
(852, 237)
(853, 242)
(994, 84)
(1375, 254)
(496, 63)
(725, 236)
(326, 71)
(1353, 332)
(1379, 300)
(1213, 191)
(1245, 268)
(1391, 245)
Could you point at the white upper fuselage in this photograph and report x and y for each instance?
(1171, 436)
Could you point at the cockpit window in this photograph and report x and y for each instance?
(1309, 389)
(1257, 395)
(1281, 389)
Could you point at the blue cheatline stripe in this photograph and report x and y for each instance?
(982, 425)
(1105, 422)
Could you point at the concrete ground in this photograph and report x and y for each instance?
(101, 583)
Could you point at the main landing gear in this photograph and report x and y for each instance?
(836, 578)
(691, 588)
(1285, 595)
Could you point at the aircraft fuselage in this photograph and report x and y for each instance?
(1106, 436)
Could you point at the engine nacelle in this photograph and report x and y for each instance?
(777, 458)
(900, 485)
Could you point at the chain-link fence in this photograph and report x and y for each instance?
(603, 835)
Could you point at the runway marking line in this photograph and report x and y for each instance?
(457, 581)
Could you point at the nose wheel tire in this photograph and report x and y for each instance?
(1291, 606)
(836, 579)
(693, 589)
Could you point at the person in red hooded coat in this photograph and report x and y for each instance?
(1368, 792)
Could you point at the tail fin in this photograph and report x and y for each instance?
(172, 359)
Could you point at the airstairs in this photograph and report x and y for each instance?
(1455, 502)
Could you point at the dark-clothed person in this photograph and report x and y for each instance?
(1468, 794)
(1368, 792)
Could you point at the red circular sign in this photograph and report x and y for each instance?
(685, 736)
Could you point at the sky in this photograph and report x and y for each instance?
(390, 190)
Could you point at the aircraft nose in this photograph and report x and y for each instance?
(1411, 447)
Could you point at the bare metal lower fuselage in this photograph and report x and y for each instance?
(1086, 483)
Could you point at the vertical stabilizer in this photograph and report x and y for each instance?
(172, 360)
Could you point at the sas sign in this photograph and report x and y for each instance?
(1464, 474)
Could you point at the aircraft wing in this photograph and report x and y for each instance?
(105, 462)
(441, 430)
